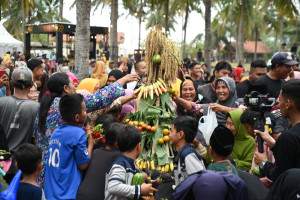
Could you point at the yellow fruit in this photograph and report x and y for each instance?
(171, 166)
(166, 131)
(159, 168)
(127, 120)
(135, 123)
(141, 123)
(148, 165)
(167, 168)
(152, 164)
(153, 128)
(160, 141)
(145, 165)
(130, 123)
(142, 165)
(162, 168)
(166, 138)
(172, 92)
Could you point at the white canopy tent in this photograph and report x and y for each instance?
(8, 42)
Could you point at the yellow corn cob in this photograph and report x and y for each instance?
(171, 166)
(151, 91)
(155, 89)
(148, 165)
(161, 86)
(141, 93)
(158, 88)
(159, 168)
(162, 82)
(167, 168)
(137, 90)
(146, 92)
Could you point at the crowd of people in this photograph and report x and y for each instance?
(46, 114)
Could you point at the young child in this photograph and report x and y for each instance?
(68, 154)
(93, 184)
(119, 175)
(187, 161)
(29, 161)
(221, 145)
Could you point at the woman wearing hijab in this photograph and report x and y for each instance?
(90, 84)
(227, 99)
(244, 144)
(99, 73)
(113, 76)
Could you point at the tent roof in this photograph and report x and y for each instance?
(6, 38)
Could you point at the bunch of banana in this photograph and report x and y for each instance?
(158, 88)
(165, 168)
(145, 164)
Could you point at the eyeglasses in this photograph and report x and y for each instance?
(34, 92)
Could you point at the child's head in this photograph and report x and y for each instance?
(221, 142)
(184, 128)
(248, 120)
(111, 133)
(105, 120)
(130, 140)
(29, 158)
(72, 109)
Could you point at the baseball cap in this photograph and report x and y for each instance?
(22, 76)
(61, 61)
(283, 58)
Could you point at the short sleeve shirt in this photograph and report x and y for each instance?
(67, 149)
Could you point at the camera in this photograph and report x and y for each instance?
(259, 102)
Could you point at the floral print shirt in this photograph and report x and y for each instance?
(93, 102)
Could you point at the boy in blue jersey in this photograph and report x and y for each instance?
(119, 175)
(68, 153)
(187, 161)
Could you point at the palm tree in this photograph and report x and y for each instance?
(114, 30)
(207, 44)
(82, 39)
(61, 5)
(4, 4)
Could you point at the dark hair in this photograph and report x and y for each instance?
(248, 117)
(69, 106)
(193, 65)
(136, 65)
(55, 85)
(204, 65)
(28, 157)
(128, 138)
(188, 125)
(33, 63)
(290, 89)
(111, 132)
(223, 65)
(105, 120)
(258, 63)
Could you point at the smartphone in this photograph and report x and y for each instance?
(2, 72)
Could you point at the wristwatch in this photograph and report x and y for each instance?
(262, 164)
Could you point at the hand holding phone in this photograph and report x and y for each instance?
(2, 73)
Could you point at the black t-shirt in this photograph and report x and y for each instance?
(27, 191)
(286, 152)
(199, 53)
(273, 87)
(198, 82)
(206, 76)
(243, 88)
(93, 184)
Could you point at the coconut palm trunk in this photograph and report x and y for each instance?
(61, 5)
(184, 29)
(167, 17)
(207, 44)
(82, 40)
(241, 35)
(114, 32)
